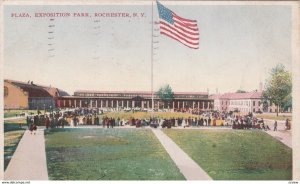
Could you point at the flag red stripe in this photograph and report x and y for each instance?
(176, 31)
(182, 19)
(184, 30)
(180, 31)
(179, 37)
(179, 40)
(189, 24)
(183, 25)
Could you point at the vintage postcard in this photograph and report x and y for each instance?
(150, 90)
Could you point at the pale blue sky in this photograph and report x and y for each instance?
(238, 45)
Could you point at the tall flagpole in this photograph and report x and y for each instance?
(152, 98)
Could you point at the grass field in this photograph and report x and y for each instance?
(236, 154)
(107, 154)
(12, 135)
(11, 141)
(14, 125)
(147, 115)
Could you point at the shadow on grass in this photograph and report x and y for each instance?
(14, 126)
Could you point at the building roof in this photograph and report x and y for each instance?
(215, 96)
(35, 90)
(236, 96)
(139, 92)
(62, 93)
(31, 89)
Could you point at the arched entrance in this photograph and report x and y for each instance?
(138, 101)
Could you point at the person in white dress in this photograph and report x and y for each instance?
(176, 122)
(72, 123)
(183, 123)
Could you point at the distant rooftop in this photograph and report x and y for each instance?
(138, 92)
(236, 96)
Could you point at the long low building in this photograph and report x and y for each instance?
(133, 99)
(21, 95)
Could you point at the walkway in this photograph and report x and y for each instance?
(188, 167)
(29, 159)
(280, 124)
(284, 136)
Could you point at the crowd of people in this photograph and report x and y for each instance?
(183, 122)
(87, 116)
(50, 121)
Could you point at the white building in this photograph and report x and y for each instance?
(243, 102)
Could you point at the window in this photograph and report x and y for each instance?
(253, 103)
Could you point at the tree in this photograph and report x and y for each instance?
(165, 93)
(287, 103)
(279, 86)
(265, 102)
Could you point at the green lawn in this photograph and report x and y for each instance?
(236, 154)
(11, 141)
(147, 115)
(107, 154)
(14, 125)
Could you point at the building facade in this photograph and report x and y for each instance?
(134, 99)
(242, 102)
(21, 95)
(14, 97)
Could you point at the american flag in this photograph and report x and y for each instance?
(183, 30)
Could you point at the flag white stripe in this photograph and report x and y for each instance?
(181, 41)
(192, 28)
(184, 29)
(183, 19)
(189, 24)
(191, 42)
(173, 33)
(179, 31)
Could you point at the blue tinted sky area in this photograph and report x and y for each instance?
(239, 44)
